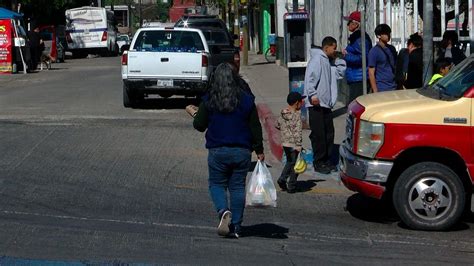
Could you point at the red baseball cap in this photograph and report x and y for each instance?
(354, 16)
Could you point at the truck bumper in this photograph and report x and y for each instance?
(183, 87)
(359, 174)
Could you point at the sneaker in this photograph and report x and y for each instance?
(282, 184)
(322, 169)
(223, 228)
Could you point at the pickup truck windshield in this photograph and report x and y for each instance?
(453, 85)
(168, 41)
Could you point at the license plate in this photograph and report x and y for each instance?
(165, 83)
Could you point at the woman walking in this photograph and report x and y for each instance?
(233, 131)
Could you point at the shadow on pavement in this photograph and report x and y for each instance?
(167, 103)
(340, 111)
(266, 230)
(371, 210)
(307, 185)
(262, 63)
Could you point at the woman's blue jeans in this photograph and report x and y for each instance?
(228, 167)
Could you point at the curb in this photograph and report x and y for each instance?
(268, 120)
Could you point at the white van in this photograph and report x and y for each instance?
(91, 30)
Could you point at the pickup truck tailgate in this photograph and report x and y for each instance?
(150, 64)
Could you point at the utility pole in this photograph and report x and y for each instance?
(140, 12)
(427, 41)
(245, 48)
(364, 53)
(236, 22)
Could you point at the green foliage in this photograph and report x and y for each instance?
(162, 11)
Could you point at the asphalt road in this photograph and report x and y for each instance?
(84, 180)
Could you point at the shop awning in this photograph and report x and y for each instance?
(5, 13)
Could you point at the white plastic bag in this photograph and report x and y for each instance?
(261, 191)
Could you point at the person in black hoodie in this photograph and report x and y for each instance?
(449, 47)
(415, 62)
(35, 47)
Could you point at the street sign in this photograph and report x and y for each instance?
(5, 46)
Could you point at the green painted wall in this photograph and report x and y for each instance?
(266, 23)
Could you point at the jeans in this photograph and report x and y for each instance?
(322, 134)
(289, 171)
(228, 167)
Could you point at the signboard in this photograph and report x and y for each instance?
(5, 46)
(296, 16)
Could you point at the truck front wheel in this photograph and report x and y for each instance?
(429, 196)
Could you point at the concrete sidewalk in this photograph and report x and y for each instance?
(270, 84)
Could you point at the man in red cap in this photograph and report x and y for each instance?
(353, 55)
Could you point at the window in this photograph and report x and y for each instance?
(459, 80)
(169, 41)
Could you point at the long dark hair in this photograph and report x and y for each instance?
(224, 91)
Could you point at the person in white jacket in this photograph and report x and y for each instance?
(320, 88)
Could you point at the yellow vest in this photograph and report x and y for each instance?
(435, 79)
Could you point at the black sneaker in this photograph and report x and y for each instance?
(282, 185)
(223, 228)
(322, 169)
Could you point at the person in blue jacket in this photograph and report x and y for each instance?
(353, 55)
(229, 117)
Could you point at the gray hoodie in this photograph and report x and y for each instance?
(321, 78)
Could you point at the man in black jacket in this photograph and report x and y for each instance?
(415, 62)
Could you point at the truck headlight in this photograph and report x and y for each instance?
(370, 138)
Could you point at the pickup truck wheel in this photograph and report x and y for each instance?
(429, 196)
(128, 97)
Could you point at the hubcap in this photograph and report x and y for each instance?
(430, 198)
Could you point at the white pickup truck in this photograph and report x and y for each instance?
(165, 61)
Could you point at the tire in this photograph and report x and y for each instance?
(429, 196)
(269, 57)
(129, 99)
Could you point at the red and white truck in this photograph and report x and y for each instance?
(415, 147)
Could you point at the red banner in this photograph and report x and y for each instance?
(5, 46)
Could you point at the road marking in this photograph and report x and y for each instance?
(294, 235)
(67, 217)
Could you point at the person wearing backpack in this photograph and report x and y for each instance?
(382, 61)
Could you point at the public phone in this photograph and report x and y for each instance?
(297, 39)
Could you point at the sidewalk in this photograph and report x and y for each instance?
(270, 84)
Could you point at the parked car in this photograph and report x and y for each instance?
(221, 47)
(198, 21)
(122, 40)
(414, 147)
(219, 39)
(166, 62)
